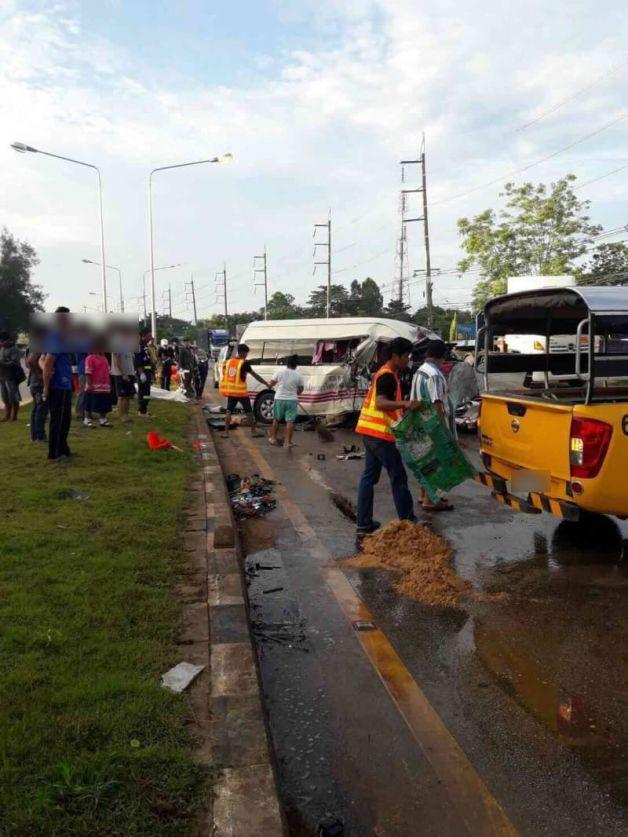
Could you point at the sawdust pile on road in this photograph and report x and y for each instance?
(420, 558)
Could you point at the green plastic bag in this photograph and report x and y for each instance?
(430, 451)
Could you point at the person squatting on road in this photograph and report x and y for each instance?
(383, 406)
(288, 384)
(11, 375)
(429, 384)
(233, 387)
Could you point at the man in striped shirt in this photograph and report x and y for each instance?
(429, 384)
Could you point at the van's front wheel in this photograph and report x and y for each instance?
(263, 407)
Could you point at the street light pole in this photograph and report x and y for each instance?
(111, 267)
(22, 148)
(222, 159)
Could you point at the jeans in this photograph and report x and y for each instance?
(143, 391)
(39, 414)
(380, 453)
(60, 406)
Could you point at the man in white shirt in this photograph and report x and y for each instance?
(288, 384)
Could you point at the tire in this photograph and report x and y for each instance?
(263, 407)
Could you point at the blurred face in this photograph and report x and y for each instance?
(401, 361)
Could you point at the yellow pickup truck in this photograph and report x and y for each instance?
(558, 444)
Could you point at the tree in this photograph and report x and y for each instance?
(442, 319)
(397, 310)
(365, 298)
(339, 301)
(19, 298)
(282, 307)
(541, 230)
(608, 265)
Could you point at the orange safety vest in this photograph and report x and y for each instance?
(374, 422)
(232, 385)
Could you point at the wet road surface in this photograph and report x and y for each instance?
(522, 696)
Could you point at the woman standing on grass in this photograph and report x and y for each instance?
(97, 388)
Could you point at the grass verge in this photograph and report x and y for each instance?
(90, 555)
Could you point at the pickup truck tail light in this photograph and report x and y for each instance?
(588, 445)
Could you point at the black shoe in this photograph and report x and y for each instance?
(368, 530)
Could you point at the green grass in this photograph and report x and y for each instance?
(90, 744)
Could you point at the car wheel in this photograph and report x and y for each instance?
(264, 407)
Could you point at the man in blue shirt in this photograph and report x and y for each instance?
(57, 374)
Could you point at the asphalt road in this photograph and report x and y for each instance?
(508, 716)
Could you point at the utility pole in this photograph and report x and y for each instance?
(190, 285)
(327, 261)
(264, 283)
(166, 300)
(221, 290)
(426, 235)
(426, 238)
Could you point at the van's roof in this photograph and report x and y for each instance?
(334, 328)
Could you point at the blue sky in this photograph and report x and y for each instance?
(318, 101)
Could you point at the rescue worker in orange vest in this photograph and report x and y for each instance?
(233, 387)
(382, 407)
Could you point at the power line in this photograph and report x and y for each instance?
(529, 166)
(570, 98)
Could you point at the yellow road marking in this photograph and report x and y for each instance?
(476, 806)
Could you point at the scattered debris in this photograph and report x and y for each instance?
(344, 505)
(251, 496)
(356, 455)
(214, 408)
(321, 457)
(362, 625)
(351, 449)
(291, 634)
(78, 495)
(421, 560)
(178, 678)
(273, 590)
(156, 442)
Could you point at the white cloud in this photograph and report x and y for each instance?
(327, 130)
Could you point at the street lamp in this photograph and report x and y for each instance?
(22, 148)
(145, 274)
(224, 158)
(111, 267)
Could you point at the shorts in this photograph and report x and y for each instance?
(245, 401)
(98, 402)
(10, 392)
(284, 410)
(124, 389)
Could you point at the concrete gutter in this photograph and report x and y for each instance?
(245, 800)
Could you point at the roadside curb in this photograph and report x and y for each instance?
(245, 800)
